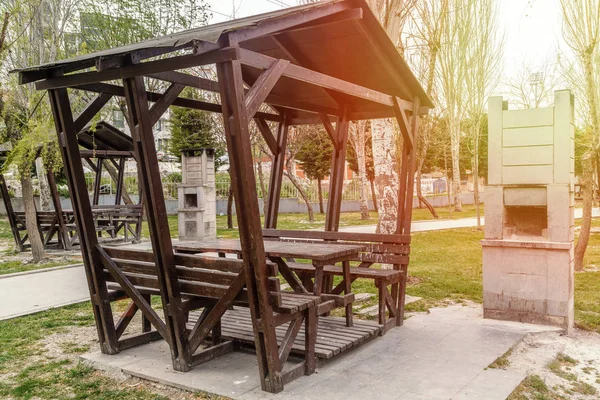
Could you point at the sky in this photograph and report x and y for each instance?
(532, 28)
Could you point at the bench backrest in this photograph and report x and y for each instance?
(198, 276)
(378, 248)
(43, 217)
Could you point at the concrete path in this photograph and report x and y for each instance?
(435, 225)
(442, 355)
(36, 291)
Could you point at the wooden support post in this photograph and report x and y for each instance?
(143, 143)
(120, 179)
(276, 179)
(405, 201)
(97, 182)
(10, 213)
(67, 138)
(248, 216)
(63, 233)
(336, 180)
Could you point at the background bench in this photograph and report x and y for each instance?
(378, 249)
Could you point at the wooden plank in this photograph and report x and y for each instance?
(349, 236)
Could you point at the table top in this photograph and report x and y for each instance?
(274, 248)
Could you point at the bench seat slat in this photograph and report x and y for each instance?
(381, 274)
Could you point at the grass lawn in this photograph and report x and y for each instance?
(11, 267)
(445, 267)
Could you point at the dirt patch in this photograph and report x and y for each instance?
(74, 341)
(567, 366)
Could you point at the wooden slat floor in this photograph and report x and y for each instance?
(333, 336)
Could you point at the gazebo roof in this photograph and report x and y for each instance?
(103, 136)
(339, 38)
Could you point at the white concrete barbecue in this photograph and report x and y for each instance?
(197, 197)
(529, 214)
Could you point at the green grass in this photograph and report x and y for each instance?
(534, 387)
(11, 267)
(28, 372)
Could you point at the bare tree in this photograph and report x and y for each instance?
(357, 138)
(456, 37)
(533, 86)
(485, 57)
(581, 32)
(392, 15)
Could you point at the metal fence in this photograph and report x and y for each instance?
(222, 184)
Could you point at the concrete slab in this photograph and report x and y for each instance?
(35, 292)
(440, 355)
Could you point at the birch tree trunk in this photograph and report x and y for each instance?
(45, 195)
(586, 221)
(386, 175)
(261, 181)
(361, 160)
(31, 222)
(298, 185)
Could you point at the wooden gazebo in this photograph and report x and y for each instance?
(100, 143)
(328, 62)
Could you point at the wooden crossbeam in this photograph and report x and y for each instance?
(263, 86)
(302, 74)
(165, 101)
(404, 124)
(91, 110)
(264, 129)
(117, 90)
(150, 67)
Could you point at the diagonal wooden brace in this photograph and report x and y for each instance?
(90, 111)
(263, 86)
(165, 101)
(133, 293)
(403, 123)
(263, 127)
(330, 131)
(204, 325)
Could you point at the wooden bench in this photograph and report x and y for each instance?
(214, 284)
(114, 218)
(378, 249)
(48, 226)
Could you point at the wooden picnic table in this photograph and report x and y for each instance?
(320, 254)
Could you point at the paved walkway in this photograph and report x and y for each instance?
(442, 355)
(36, 291)
(27, 294)
(435, 225)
